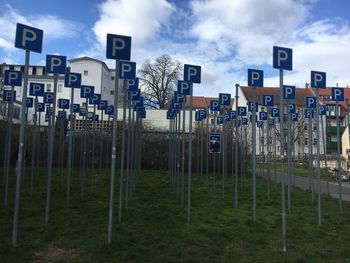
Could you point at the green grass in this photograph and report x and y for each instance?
(154, 226)
(301, 170)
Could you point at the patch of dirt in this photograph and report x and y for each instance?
(53, 254)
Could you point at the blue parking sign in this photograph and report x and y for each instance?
(133, 84)
(268, 100)
(282, 58)
(225, 99)
(29, 38)
(127, 70)
(87, 92)
(294, 117)
(41, 107)
(63, 103)
(288, 92)
(318, 80)
(8, 95)
(76, 108)
(263, 116)
(220, 120)
(118, 47)
(36, 89)
(233, 114)
(242, 111)
(192, 73)
(110, 110)
(183, 87)
(56, 64)
(48, 97)
(323, 110)
(244, 121)
(29, 102)
(250, 106)
(337, 94)
(275, 112)
(214, 105)
(255, 78)
(214, 142)
(309, 113)
(292, 108)
(13, 78)
(72, 80)
(96, 98)
(310, 102)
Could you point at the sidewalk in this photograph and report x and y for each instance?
(303, 183)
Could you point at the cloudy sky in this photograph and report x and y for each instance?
(225, 37)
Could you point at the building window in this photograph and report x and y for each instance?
(112, 92)
(34, 71)
(59, 88)
(86, 72)
(48, 87)
(112, 77)
(306, 141)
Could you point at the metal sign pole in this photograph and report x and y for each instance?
(207, 145)
(189, 159)
(223, 156)
(183, 153)
(122, 159)
(242, 159)
(69, 161)
(289, 171)
(20, 150)
(8, 145)
(178, 157)
(50, 151)
(324, 150)
(114, 152)
(236, 148)
(85, 147)
(133, 148)
(338, 160)
(214, 157)
(318, 158)
(93, 146)
(34, 144)
(311, 180)
(283, 212)
(128, 168)
(254, 152)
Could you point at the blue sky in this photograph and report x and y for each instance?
(225, 37)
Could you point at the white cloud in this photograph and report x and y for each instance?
(226, 37)
(142, 20)
(54, 27)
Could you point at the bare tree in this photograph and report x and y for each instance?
(158, 80)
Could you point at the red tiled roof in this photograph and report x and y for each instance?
(200, 102)
(301, 93)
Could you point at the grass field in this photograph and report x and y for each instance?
(154, 226)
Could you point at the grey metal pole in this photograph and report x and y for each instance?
(183, 154)
(223, 158)
(178, 158)
(283, 208)
(50, 150)
(128, 168)
(289, 171)
(38, 148)
(318, 158)
(85, 146)
(113, 153)
(34, 144)
(69, 161)
(122, 159)
(275, 154)
(268, 150)
(214, 157)
(201, 125)
(324, 151)
(93, 147)
(189, 159)
(338, 160)
(254, 153)
(101, 140)
(207, 144)
(20, 150)
(236, 149)
(241, 146)
(133, 149)
(8, 147)
(311, 180)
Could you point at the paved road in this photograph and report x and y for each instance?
(303, 183)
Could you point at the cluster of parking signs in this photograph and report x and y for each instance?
(222, 112)
(119, 49)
